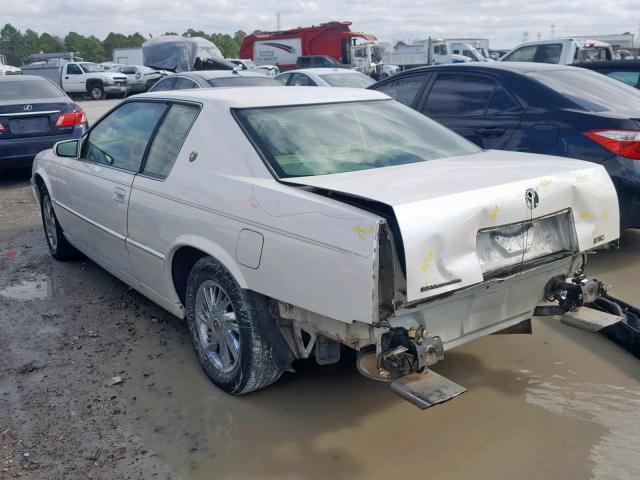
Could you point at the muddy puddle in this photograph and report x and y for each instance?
(39, 288)
(559, 404)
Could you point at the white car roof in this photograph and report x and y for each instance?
(247, 97)
(322, 71)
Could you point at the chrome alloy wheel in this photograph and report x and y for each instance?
(50, 223)
(218, 328)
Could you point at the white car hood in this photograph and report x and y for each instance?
(440, 206)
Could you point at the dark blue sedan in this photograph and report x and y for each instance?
(534, 107)
(34, 115)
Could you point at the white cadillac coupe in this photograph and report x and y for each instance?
(282, 223)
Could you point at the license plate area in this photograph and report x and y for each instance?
(507, 246)
(22, 126)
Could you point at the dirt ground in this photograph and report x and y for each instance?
(98, 382)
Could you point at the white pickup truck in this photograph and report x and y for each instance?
(563, 51)
(80, 77)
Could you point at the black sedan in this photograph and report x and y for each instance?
(627, 71)
(535, 107)
(214, 78)
(34, 115)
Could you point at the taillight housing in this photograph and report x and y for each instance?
(68, 119)
(625, 143)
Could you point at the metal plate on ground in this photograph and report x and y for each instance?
(589, 319)
(426, 389)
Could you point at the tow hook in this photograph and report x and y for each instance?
(585, 304)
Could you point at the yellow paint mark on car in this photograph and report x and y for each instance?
(545, 183)
(581, 178)
(586, 216)
(363, 231)
(427, 261)
(494, 213)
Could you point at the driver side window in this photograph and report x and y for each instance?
(73, 69)
(121, 138)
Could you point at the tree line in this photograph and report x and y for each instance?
(17, 45)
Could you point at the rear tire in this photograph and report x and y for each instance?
(59, 246)
(223, 323)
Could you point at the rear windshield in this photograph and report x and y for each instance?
(354, 80)
(590, 90)
(321, 139)
(29, 89)
(238, 81)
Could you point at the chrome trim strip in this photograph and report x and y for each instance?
(91, 222)
(142, 247)
(24, 114)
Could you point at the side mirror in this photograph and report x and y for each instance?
(67, 149)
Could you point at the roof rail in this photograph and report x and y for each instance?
(40, 57)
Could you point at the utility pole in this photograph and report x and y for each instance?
(553, 30)
(277, 22)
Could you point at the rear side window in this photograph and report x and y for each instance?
(301, 80)
(284, 78)
(74, 69)
(549, 53)
(501, 103)
(28, 90)
(405, 89)
(169, 139)
(164, 85)
(459, 95)
(522, 54)
(184, 84)
(121, 138)
(304, 62)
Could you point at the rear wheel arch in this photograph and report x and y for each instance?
(185, 255)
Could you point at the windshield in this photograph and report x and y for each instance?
(322, 139)
(238, 81)
(90, 67)
(591, 91)
(26, 90)
(250, 64)
(353, 80)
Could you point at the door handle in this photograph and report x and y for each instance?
(490, 132)
(119, 194)
(66, 78)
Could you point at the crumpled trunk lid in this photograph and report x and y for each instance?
(442, 205)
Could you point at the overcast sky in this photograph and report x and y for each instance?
(500, 20)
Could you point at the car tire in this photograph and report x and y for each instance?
(96, 92)
(223, 322)
(59, 246)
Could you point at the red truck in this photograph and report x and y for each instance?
(333, 39)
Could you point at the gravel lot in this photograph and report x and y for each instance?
(97, 382)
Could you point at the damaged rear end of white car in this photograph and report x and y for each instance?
(466, 242)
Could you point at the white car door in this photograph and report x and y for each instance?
(73, 79)
(95, 195)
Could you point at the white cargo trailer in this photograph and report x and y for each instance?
(128, 56)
